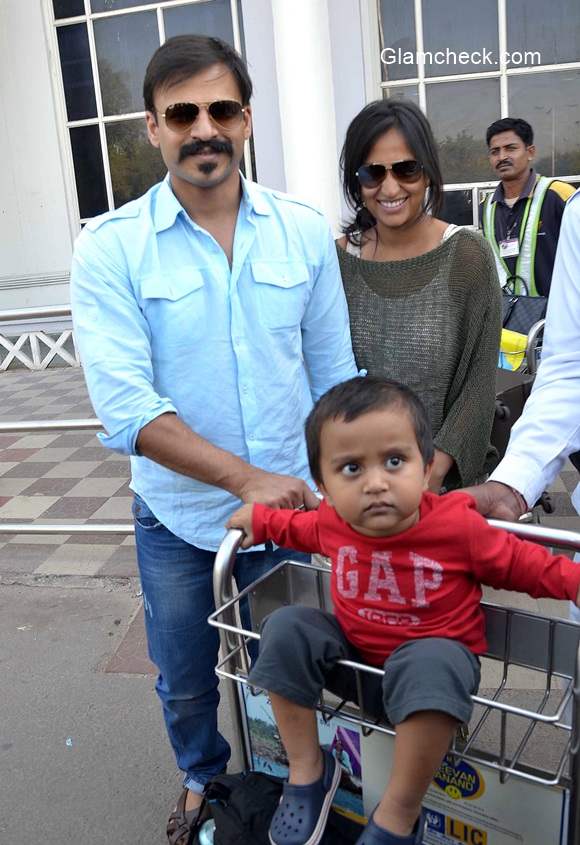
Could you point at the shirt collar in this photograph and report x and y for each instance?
(255, 197)
(167, 206)
(499, 195)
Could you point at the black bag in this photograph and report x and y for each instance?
(521, 311)
(242, 807)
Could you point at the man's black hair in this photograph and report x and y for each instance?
(184, 56)
(364, 131)
(511, 124)
(351, 399)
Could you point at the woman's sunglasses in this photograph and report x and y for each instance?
(226, 114)
(372, 175)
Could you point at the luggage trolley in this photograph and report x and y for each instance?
(492, 789)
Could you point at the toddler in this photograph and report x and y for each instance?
(407, 569)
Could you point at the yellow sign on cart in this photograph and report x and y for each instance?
(512, 349)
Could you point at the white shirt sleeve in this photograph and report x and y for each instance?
(549, 428)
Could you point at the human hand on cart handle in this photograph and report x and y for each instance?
(498, 501)
(242, 519)
(277, 491)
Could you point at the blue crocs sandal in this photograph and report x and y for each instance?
(375, 835)
(301, 815)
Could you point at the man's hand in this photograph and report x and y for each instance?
(170, 442)
(497, 500)
(242, 519)
(278, 491)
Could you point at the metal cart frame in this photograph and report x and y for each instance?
(534, 348)
(548, 646)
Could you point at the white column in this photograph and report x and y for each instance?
(35, 227)
(266, 128)
(306, 96)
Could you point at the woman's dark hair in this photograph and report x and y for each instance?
(183, 56)
(364, 131)
(351, 399)
(511, 124)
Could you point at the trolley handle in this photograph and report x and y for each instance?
(223, 569)
(226, 555)
(532, 346)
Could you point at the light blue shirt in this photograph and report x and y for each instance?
(164, 324)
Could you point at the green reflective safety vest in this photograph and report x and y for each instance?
(527, 237)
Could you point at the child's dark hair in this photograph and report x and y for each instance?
(360, 395)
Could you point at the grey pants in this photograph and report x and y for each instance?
(300, 647)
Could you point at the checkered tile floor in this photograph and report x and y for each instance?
(60, 477)
(69, 478)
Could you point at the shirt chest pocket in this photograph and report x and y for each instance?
(281, 290)
(175, 303)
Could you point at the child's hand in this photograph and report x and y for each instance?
(578, 598)
(242, 518)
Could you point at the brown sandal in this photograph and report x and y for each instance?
(183, 824)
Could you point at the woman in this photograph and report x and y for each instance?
(424, 297)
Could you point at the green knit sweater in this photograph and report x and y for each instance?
(433, 322)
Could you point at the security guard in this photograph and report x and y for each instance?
(522, 218)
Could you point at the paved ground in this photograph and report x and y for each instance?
(83, 754)
(82, 751)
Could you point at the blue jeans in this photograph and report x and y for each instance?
(176, 578)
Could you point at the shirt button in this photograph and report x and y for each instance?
(245, 388)
(250, 437)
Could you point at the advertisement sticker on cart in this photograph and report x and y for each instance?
(341, 738)
(468, 805)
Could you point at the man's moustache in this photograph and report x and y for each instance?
(197, 147)
(501, 164)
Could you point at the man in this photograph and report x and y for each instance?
(522, 218)
(549, 429)
(209, 314)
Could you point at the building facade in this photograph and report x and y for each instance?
(73, 141)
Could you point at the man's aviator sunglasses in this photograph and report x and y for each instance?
(373, 175)
(180, 117)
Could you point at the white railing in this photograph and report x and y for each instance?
(33, 348)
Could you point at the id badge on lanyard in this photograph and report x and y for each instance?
(509, 248)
